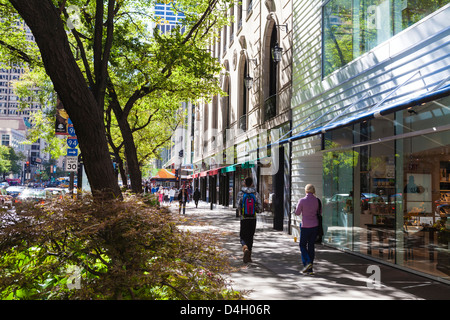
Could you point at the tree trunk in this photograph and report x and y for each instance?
(123, 174)
(44, 21)
(131, 155)
(128, 141)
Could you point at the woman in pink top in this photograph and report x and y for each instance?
(308, 207)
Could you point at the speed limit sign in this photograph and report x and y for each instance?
(71, 164)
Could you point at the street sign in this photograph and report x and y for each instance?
(72, 152)
(72, 164)
(72, 142)
(71, 130)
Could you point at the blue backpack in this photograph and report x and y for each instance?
(249, 205)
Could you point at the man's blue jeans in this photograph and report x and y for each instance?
(307, 241)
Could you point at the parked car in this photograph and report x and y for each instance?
(55, 192)
(4, 184)
(339, 200)
(14, 191)
(5, 198)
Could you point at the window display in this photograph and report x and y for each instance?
(387, 188)
(266, 192)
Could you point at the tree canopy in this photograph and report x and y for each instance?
(117, 76)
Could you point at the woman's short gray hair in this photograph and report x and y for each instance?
(309, 188)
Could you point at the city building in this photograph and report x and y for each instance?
(234, 134)
(13, 133)
(15, 112)
(179, 155)
(370, 115)
(167, 17)
(357, 105)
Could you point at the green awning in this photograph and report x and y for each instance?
(248, 164)
(244, 165)
(228, 169)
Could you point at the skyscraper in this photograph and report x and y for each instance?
(168, 18)
(9, 100)
(15, 112)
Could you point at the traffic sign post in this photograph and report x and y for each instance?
(72, 152)
(71, 164)
(71, 130)
(72, 142)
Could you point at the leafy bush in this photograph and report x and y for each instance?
(85, 249)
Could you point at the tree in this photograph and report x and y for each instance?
(10, 161)
(111, 44)
(152, 76)
(83, 103)
(5, 162)
(150, 131)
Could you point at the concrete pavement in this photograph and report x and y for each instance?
(275, 273)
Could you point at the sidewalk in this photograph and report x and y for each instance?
(275, 274)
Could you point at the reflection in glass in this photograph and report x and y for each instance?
(353, 27)
(390, 198)
(424, 241)
(338, 191)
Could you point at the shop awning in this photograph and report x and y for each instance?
(248, 164)
(213, 172)
(244, 165)
(164, 174)
(231, 168)
(374, 112)
(208, 173)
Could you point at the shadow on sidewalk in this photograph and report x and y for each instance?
(275, 274)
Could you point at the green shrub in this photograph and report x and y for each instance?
(85, 249)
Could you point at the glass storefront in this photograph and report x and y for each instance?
(353, 27)
(266, 192)
(387, 188)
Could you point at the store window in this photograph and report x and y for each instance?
(423, 170)
(374, 218)
(353, 27)
(266, 185)
(338, 169)
(387, 188)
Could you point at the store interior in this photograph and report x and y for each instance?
(388, 195)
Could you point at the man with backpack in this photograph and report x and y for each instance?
(249, 203)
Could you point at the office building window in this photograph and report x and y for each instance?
(5, 140)
(353, 27)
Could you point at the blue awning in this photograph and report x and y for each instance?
(372, 113)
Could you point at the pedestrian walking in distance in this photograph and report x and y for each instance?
(196, 196)
(161, 195)
(171, 195)
(309, 208)
(249, 203)
(182, 198)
